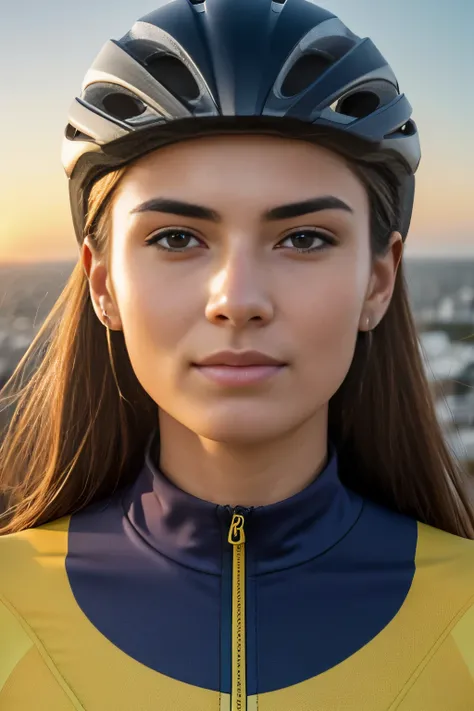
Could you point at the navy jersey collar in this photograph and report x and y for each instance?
(193, 532)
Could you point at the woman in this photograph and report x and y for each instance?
(241, 498)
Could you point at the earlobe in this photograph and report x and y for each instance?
(105, 315)
(366, 324)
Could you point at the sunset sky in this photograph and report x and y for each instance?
(47, 48)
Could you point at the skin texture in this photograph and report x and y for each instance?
(240, 284)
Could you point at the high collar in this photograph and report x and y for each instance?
(193, 532)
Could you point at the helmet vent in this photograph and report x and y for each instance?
(306, 70)
(73, 134)
(122, 106)
(408, 128)
(173, 75)
(359, 104)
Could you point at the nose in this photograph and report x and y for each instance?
(239, 294)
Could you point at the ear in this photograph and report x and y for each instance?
(96, 271)
(381, 284)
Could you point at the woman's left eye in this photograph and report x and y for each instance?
(308, 241)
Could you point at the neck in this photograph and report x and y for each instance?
(239, 474)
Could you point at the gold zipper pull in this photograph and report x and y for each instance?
(236, 530)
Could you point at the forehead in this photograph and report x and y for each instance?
(261, 171)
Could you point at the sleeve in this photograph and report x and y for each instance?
(446, 680)
(26, 682)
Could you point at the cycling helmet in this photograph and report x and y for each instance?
(224, 60)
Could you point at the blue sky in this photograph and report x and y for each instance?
(47, 47)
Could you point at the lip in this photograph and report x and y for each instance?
(238, 375)
(239, 359)
(239, 368)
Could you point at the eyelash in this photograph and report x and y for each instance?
(328, 241)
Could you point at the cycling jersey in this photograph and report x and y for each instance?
(155, 600)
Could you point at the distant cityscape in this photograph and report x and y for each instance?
(442, 297)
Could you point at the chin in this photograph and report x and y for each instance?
(241, 428)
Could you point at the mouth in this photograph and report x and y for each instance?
(237, 369)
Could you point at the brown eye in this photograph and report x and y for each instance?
(173, 240)
(303, 240)
(307, 241)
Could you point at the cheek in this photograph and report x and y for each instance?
(158, 314)
(329, 315)
(324, 321)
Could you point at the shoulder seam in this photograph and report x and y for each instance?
(38, 645)
(430, 654)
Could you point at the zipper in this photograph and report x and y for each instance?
(236, 537)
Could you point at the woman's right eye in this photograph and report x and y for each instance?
(177, 240)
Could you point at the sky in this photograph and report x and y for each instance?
(47, 47)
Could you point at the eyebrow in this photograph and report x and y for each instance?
(282, 212)
(296, 209)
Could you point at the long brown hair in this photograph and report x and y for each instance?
(82, 419)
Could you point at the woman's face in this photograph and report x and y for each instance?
(243, 243)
